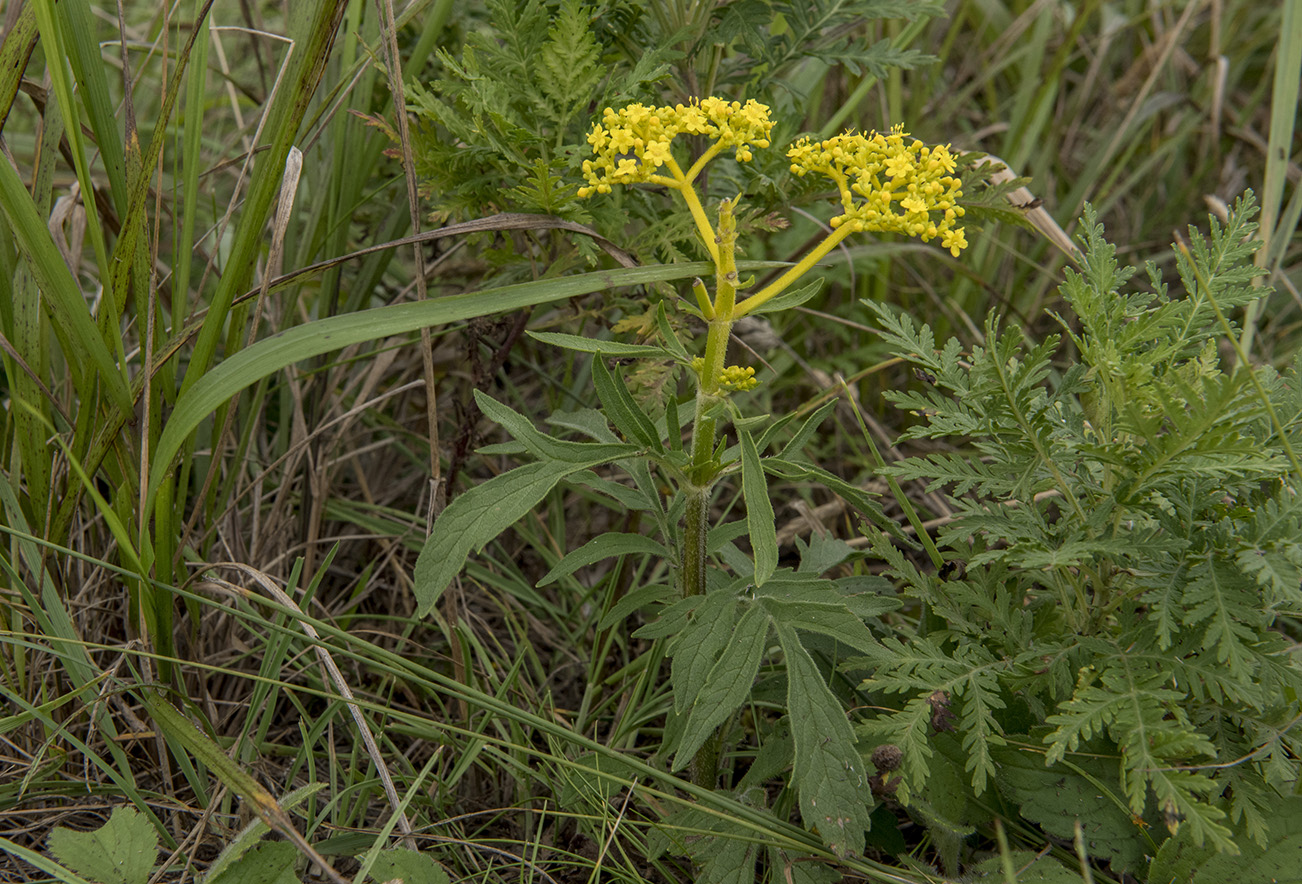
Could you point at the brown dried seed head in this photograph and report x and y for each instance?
(888, 757)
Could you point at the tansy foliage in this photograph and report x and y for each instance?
(822, 29)
(1126, 545)
(497, 128)
(500, 126)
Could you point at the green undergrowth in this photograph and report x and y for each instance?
(345, 465)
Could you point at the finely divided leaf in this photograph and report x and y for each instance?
(570, 59)
(966, 677)
(1222, 599)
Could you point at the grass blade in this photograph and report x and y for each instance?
(88, 355)
(88, 69)
(336, 332)
(313, 33)
(1283, 117)
(14, 52)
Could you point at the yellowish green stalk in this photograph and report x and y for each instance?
(780, 284)
(703, 471)
(710, 153)
(683, 184)
(703, 299)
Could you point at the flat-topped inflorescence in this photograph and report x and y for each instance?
(632, 144)
(903, 187)
(887, 183)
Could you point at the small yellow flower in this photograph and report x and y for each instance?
(733, 377)
(632, 145)
(954, 240)
(736, 377)
(899, 166)
(903, 186)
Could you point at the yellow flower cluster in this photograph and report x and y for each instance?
(733, 377)
(904, 185)
(632, 144)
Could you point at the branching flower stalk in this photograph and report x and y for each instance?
(886, 183)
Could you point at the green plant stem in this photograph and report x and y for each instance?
(695, 529)
(705, 764)
(683, 184)
(705, 426)
(703, 469)
(780, 284)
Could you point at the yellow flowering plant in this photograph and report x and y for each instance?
(715, 623)
(887, 183)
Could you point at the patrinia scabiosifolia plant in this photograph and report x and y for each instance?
(1122, 589)
(717, 621)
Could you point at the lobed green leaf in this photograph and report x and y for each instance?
(727, 685)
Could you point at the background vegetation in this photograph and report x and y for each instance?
(246, 306)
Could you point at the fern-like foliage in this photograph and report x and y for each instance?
(965, 678)
(823, 29)
(1128, 536)
(499, 130)
(1130, 701)
(502, 124)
